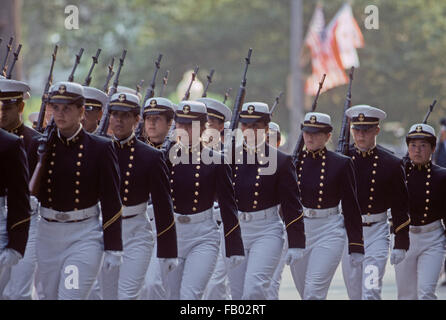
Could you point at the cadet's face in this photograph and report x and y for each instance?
(365, 139)
(256, 127)
(215, 124)
(122, 123)
(156, 127)
(316, 141)
(66, 116)
(10, 115)
(420, 151)
(91, 118)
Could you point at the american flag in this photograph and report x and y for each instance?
(325, 54)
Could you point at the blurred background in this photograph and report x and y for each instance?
(401, 63)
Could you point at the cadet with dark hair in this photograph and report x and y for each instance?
(81, 170)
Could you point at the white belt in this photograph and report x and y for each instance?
(67, 216)
(194, 218)
(426, 228)
(2, 201)
(257, 215)
(34, 203)
(134, 210)
(374, 217)
(320, 213)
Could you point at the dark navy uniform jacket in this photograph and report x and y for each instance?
(326, 178)
(29, 137)
(256, 191)
(143, 174)
(381, 185)
(79, 173)
(427, 193)
(196, 185)
(14, 178)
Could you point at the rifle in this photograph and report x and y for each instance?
(139, 86)
(209, 77)
(149, 94)
(16, 57)
(431, 108)
(300, 141)
(103, 124)
(95, 61)
(8, 51)
(238, 103)
(165, 78)
(406, 158)
(344, 136)
(109, 75)
(45, 140)
(76, 63)
(194, 74)
(227, 95)
(167, 144)
(49, 81)
(276, 102)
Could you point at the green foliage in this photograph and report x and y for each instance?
(401, 65)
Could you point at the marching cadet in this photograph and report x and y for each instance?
(380, 186)
(95, 102)
(199, 175)
(15, 217)
(143, 173)
(417, 275)
(22, 275)
(158, 117)
(80, 170)
(217, 114)
(263, 178)
(325, 180)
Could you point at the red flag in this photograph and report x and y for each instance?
(348, 37)
(324, 55)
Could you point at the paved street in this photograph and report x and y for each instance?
(338, 291)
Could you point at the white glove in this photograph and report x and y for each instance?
(234, 261)
(397, 256)
(356, 258)
(112, 259)
(294, 254)
(168, 264)
(9, 257)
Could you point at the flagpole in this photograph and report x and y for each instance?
(296, 98)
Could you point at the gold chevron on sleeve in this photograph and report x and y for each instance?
(297, 219)
(402, 226)
(165, 230)
(113, 219)
(20, 222)
(230, 231)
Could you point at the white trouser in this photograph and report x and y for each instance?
(263, 241)
(125, 282)
(273, 290)
(364, 282)
(20, 285)
(198, 245)
(417, 275)
(325, 240)
(218, 287)
(69, 256)
(4, 271)
(155, 283)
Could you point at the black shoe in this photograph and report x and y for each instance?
(443, 284)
